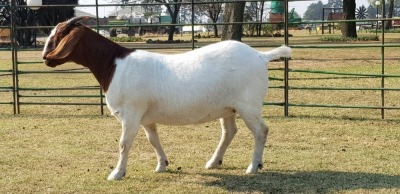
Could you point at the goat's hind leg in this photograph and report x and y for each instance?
(229, 130)
(260, 132)
(152, 136)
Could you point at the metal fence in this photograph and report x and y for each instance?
(23, 91)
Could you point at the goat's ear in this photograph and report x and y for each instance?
(66, 45)
(74, 20)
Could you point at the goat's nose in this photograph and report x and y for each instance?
(44, 58)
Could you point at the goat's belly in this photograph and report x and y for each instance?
(185, 117)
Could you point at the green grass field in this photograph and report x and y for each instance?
(71, 149)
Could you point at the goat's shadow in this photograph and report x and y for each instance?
(303, 182)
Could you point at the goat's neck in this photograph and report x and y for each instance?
(99, 54)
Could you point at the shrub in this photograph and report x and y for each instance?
(268, 30)
(395, 30)
(127, 39)
(346, 39)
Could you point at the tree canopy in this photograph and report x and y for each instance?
(45, 16)
(314, 11)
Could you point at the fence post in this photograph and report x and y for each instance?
(97, 29)
(12, 53)
(383, 62)
(192, 23)
(286, 69)
(14, 58)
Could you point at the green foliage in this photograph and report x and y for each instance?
(269, 29)
(396, 30)
(127, 39)
(314, 11)
(346, 39)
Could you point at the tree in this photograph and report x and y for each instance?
(4, 13)
(46, 16)
(213, 12)
(371, 11)
(185, 14)
(173, 11)
(254, 11)
(334, 3)
(388, 24)
(49, 16)
(314, 11)
(392, 9)
(233, 13)
(260, 18)
(349, 13)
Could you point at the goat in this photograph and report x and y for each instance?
(220, 80)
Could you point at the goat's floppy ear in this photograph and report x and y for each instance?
(66, 45)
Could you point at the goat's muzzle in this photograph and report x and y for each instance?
(48, 62)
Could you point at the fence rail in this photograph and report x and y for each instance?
(19, 72)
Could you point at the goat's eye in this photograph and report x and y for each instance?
(51, 44)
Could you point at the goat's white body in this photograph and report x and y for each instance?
(189, 88)
(216, 81)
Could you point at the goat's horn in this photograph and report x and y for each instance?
(76, 19)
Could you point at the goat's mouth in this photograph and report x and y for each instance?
(49, 62)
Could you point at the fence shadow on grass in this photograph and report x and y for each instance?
(304, 182)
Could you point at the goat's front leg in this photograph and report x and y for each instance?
(152, 136)
(229, 130)
(130, 128)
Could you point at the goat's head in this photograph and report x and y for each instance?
(62, 41)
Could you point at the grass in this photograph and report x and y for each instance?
(75, 153)
(71, 149)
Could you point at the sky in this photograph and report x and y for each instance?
(300, 6)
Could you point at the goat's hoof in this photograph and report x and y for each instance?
(116, 175)
(252, 169)
(213, 164)
(162, 166)
(160, 169)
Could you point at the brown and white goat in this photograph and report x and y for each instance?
(142, 88)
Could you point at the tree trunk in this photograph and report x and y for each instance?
(173, 12)
(233, 13)
(349, 13)
(213, 10)
(259, 27)
(215, 31)
(388, 24)
(171, 30)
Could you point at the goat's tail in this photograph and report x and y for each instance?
(275, 54)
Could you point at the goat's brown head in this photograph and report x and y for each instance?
(62, 41)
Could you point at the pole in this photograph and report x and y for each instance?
(13, 45)
(383, 62)
(97, 29)
(286, 69)
(192, 4)
(377, 22)
(323, 18)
